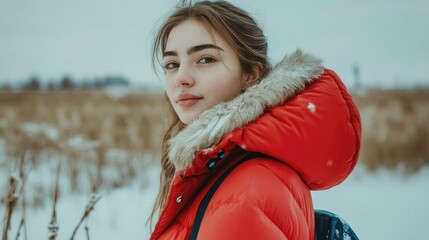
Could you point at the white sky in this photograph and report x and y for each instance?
(388, 39)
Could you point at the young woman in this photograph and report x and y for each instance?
(227, 102)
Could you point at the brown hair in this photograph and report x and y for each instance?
(239, 30)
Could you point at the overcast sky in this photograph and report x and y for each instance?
(387, 39)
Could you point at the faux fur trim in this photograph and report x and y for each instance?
(287, 78)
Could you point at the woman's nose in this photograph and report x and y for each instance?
(184, 77)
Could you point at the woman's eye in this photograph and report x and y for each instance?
(171, 65)
(206, 60)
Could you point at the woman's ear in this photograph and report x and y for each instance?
(251, 78)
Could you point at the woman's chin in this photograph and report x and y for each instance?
(188, 118)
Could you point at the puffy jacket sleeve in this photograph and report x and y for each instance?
(317, 132)
(261, 199)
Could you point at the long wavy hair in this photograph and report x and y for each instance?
(239, 30)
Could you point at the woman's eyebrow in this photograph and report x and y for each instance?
(193, 49)
(202, 47)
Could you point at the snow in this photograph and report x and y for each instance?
(117, 92)
(34, 129)
(312, 107)
(80, 143)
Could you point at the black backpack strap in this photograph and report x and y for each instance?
(206, 200)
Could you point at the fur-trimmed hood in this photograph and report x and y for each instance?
(287, 79)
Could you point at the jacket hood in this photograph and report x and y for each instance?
(287, 79)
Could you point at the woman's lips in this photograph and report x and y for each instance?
(187, 100)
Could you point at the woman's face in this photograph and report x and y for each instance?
(202, 70)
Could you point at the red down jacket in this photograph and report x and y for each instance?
(301, 115)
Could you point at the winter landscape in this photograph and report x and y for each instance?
(107, 145)
(82, 116)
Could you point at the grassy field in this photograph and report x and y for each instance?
(395, 128)
(84, 126)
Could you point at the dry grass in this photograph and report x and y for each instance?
(53, 226)
(131, 122)
(17, 181)
(395, 128)
(88, 209)
(105, 141)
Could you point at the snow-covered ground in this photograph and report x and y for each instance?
(119, 214)
(380, 205)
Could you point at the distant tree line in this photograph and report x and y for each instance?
(67, 83)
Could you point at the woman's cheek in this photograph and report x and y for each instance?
(169, 89)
